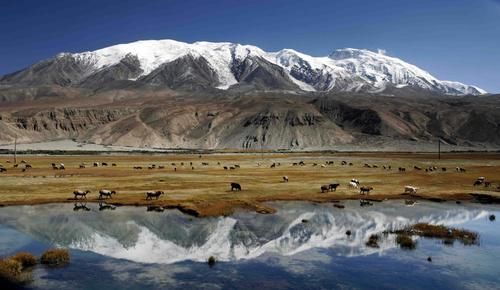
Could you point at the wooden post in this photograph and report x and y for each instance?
(15, 149)
(439, 148)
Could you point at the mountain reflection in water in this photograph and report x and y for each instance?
(168, 237)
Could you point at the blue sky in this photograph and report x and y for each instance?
(452, 39)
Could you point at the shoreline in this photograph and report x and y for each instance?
(202, 208)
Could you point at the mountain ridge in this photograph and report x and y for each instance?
(344, 70)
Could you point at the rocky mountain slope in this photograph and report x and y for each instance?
(202, 65)
(166, 119)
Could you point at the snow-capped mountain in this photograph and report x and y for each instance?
(228, 65)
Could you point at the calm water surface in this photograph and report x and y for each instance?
(129, 248)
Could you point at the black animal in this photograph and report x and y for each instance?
(333, 186)
(156, 194)
(478, 182)
(2, 169)
(235, 186)
(325, 187)
(365, 189)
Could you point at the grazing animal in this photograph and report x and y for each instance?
(353, 185)
(273, 165)
(81, 193)
(411, 189)
(325, 187)
(155, 194)
(350, 164)
(333, 186)
(487, 184)
(301, 163)
(355, 181)
(106, 193)
(402, 169)
(113, 164)
(28, 166)
(344, 163)
(460, 169)
(2, 169)
(443, 169)
(161, 167)
(104, 164)
(61, 166)
(225, 167)
(285, 178)
(96, 164)
(365, 189)
(295, 164)
(323, 165)
(82, 165)
(232, 168)
(417, 168)
(236, 166)
(478, 182)
(235, 186)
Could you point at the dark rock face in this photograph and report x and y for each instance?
(258, 73)
(63, 70)
(363, 120)
(186, 72)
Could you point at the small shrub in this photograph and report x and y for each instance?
(26, 259)
(55, 257)
(10, 269)
(406, 242)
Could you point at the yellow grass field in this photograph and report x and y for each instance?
(205, 190)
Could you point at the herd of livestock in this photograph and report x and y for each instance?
(331, 187)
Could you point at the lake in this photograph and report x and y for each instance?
(302, 246)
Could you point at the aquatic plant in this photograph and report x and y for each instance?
(11, 273)
(211, 261)
(373, 241)
(441, 232)
(55, 257)
(406, 242)
(26, 259)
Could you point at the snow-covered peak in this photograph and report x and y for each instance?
(346, 69)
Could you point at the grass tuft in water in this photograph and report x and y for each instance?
(55, 257)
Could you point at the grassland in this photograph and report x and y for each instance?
(205, 190)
